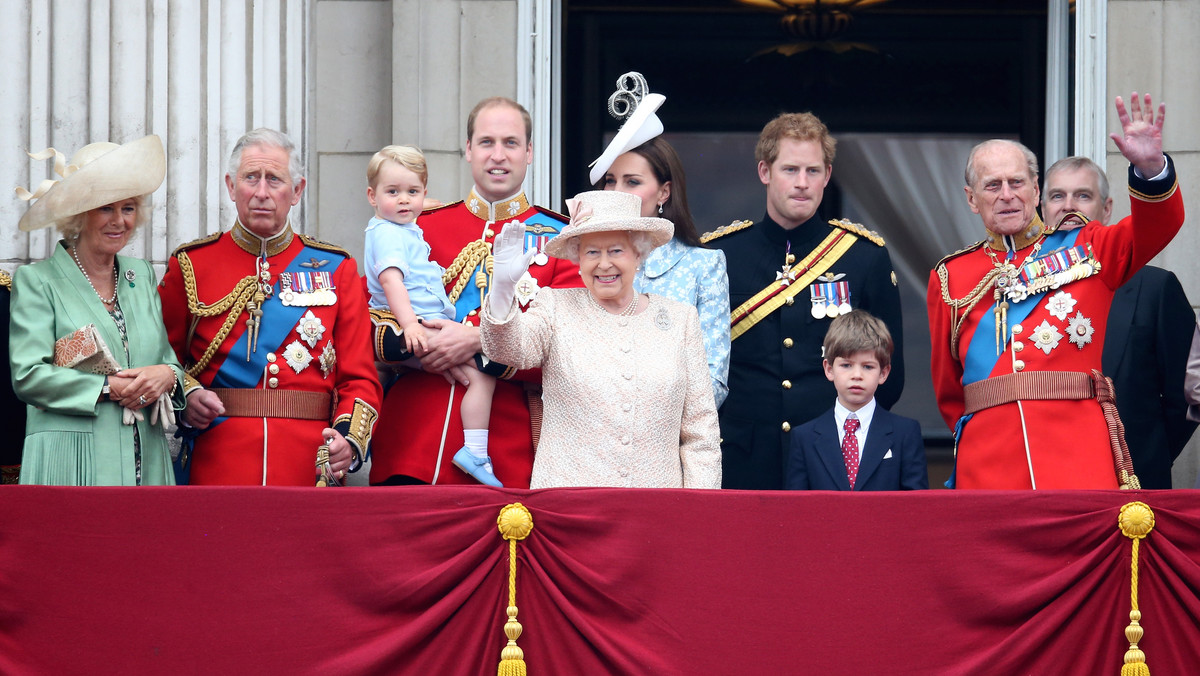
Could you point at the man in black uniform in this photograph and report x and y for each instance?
(789, 275)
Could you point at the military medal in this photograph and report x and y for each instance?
(296, 356)
(843, 296)
(787, 275)
(527, 288)
(327, 359)
(286, 295)
(818, 300)
(1079, 330)
(1046, 336)
(323, 288)
(310, 328)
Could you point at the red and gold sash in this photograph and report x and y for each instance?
(746, 315)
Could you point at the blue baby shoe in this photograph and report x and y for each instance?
(480, 468)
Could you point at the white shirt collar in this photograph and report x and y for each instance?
(864, 415)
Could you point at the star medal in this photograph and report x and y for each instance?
(328, 359)
(527, 288)
(1079, 330)
(296, 356)
(310, 328)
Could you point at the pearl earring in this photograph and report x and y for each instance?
(660, 207)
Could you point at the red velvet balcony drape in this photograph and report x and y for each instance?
(414, 580)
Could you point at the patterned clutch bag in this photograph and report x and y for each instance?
(85, 350)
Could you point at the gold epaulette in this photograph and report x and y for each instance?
(860, 230)
(207, 239)
(725, 230)
(966, 249)
(5, 280)
(431, 210)
(324, 246)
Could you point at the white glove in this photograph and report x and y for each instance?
(162, 410)
(510, 260)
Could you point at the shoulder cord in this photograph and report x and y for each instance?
(967, 302)
(235, 302)
(467, 260)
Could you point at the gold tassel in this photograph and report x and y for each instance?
(1136, 521)
(515, 523)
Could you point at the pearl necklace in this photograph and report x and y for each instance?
(106, 301)
(627, 312)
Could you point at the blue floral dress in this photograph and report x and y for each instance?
(697, 277)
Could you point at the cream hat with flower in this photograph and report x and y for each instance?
(98, 174)
(633, 101)
(608, 211)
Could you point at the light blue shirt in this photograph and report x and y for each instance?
(697, 277)
(402, 246)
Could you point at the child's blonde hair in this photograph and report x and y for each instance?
(409, 157)
(858, 331)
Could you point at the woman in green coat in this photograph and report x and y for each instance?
(85, 428)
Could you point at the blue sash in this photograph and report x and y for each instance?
(277, 321)
(981, 355)
(470, 299)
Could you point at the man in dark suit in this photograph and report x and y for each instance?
(857, 445)
(789, 275)
(1150, 327)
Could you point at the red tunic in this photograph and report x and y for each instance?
(1068, 442)
(234, 449)
(418, 408)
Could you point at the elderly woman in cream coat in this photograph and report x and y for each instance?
(626, 390)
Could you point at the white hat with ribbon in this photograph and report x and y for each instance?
(632, 101)
(98, 174)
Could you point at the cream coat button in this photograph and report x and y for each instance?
(1017, 329)
(787, 342)
(787, 426)
(273, 369)
(273, 383)
(625, 440)
(1018, 365)
(627, 407)
(787, 384)
(628, 375)
(270, 356)
(790, 300)
(489, 233)
(1018, 346)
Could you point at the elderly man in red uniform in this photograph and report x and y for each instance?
(419, 428)
(272, 328)
(1018, 320)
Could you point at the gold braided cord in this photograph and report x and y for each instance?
(234, 302)
(968, 302)
(1135, 520)
(515, 523)
(463, 265)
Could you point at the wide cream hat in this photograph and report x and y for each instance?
(607, 211)
(98, 174)
(632, 101)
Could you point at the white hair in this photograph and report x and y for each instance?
(271, 138)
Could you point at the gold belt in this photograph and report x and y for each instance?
(254, 403)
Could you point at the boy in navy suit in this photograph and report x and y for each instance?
(856, 445)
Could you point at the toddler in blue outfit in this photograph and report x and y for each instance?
(402, 278)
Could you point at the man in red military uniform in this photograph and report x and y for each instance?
(272, 328)
(419, 427)
(1018, 320)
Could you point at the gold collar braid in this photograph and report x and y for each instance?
(259, 246)
(234, 302)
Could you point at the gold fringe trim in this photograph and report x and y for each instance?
(515, 523)
(234, 302)
(1136, 521)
